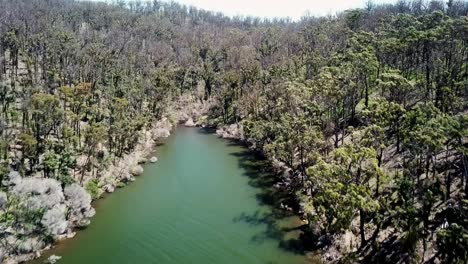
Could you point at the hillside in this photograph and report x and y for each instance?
(363, 114)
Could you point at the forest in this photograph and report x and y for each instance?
(367, 109)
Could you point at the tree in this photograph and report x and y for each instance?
(160, 91)
(372, 101)
(340, 188)
(46, 115)
(51, 164)
(93, 136)
(363, 61)
(395, 88)
(30, 149)
(452, 243)
(407, 217)
(452, 240)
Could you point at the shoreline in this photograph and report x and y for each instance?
(124, 170)
(249, 163)
(140, 157)
(234, 132)
(150, 152)
(118, 174)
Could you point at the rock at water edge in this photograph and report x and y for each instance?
(137, 170)
(190, 123)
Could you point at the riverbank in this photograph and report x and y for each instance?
(236, 132)
(207, 200)
(124, 170)
(62, 210)
(287, 201)
(329, 249)
(183, 111)
(36, 193)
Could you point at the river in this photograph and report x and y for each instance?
(203, 202)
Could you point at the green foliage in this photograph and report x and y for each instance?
(46, 114)
(51, 163)
(18, 214)
(93, 189)
(3, 149)
(452, 243)
(3, 171)
(407, 218)
(368, 108)
(340, 187)
(29, 144)
(395, 87)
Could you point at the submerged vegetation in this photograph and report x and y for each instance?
(365, 111)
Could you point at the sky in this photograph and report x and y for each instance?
(294, 9)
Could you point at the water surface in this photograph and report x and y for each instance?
(201, 203)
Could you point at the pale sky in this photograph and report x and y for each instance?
(278, 8)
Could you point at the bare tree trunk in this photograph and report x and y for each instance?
(361, 228)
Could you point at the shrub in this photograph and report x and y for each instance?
(93, 189)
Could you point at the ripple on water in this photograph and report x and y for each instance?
(197, 205)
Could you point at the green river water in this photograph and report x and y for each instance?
(201, 203)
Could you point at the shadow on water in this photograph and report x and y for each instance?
(207, 130)
(281, 225)
(286, 227)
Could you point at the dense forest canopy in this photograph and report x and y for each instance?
(367, 110)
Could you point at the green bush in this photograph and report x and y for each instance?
(452, 244)
(93, 189)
